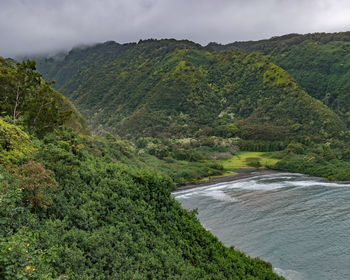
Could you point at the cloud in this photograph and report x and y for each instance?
(41, 26)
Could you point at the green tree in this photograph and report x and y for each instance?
(24, 95)
(36, 182)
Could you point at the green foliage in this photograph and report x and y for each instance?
(253, 162)
(20, 258)
(322, 69)
(316, 165)
(318, 160)
(25, 96)
(319, 62)
(249, 159)
(20, 254)
(110, 218)
(14, 143)
(280, 44)
(171, 88)
(187, 159)
(296, 148)
(36, 183)
(106, 221)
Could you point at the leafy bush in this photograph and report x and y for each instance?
(253, 162)
(105, 221)
(36, 183)
(14, 143)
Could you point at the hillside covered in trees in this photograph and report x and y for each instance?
(319, 62)
(73, 206)
(172, 88)
(286, 95)
(26, 98)
(76, 206)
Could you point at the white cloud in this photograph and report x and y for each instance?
(34, 26)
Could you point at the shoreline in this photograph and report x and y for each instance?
(243, 174)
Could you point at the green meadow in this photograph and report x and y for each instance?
(245, 160)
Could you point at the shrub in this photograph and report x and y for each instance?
(14, 143)
(36, 182)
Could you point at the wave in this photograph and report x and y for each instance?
(274, 182)
(221, 196)
(298, 222)
(185, 194)
(270, 182)
(289, 274)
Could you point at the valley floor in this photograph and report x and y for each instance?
(238, 167)
(240, 174)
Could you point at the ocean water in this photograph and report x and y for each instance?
(300, 224)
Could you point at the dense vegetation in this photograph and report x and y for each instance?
(319, 62)
(74, 206)
(171, 88)
(323, 70)
(26, 99)
(279, 44)
(178, 89)
(321, 160)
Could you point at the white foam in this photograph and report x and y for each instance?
(220, 195)
(185, 194)
(288, 274)
(317, 183)
(258, 183)
(285, 181)
(256, 186)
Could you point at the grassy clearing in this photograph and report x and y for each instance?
(242, 159)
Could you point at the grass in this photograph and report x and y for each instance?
(242, 159)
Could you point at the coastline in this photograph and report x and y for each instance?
(242, 174)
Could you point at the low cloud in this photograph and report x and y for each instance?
(41, 26)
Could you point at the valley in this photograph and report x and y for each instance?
(88, 162)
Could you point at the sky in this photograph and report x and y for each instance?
(47, 26)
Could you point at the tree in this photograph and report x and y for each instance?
(23, 93)
(36, 181)
(17, 82)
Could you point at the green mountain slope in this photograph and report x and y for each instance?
(279, 44)
(27, 99)
(70, 208)
(168, 87)
(323, 70)
(319, 62)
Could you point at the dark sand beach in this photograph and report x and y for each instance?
(241, 174)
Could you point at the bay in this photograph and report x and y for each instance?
(300, 224)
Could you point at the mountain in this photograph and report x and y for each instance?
(319, 62)
(27, 99)
(73, 206)
(280, 44)
(168, 88)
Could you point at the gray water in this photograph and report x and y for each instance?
(298, 223)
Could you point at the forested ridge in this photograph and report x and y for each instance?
(176, 88)
(319, 62)
(74, 206)
(286, 95)
(27, 98)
